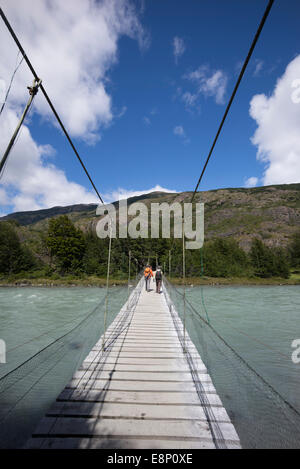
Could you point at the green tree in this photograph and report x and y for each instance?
(224, 258)
(66, 244)
(95, 255)
(14, 258)
(262, 259)
(281, 263)
(268, 262)
(295, 250)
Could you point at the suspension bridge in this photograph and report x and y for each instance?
(143, 385)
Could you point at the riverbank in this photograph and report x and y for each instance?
(92, 281)
(61, 282)
(235, 281)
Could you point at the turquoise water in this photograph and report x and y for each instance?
(49, 331)
(260, 324)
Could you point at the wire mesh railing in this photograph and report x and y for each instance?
(262, 417)
(27, 390)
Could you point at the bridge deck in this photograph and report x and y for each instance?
(142, 392)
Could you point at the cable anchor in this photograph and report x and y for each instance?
(35, 87)
(32, 92)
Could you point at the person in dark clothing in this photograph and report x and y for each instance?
(158, 279)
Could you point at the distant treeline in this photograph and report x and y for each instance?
(73, 252)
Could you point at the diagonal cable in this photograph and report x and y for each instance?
(10, 29)
(260, 27)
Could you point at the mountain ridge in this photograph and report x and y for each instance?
(271, 213)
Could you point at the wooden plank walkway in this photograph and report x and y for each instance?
(142, 392)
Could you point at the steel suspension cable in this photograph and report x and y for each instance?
(11, 82)
(245, 64)
(10, 29)
(25, 57)
(261, 25)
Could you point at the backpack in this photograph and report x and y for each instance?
(147, 272)
(158, 275)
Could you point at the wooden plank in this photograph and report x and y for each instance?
(134, 411)
(154, 398)
(113, 443)
(113, 366)
(179, 376)
(170, 360)
(121, 428)
(154, 354)
(125, 385)
(139, 393)
(143, 347)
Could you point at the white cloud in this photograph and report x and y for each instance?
(73, 46)
(209, 83)
(2, 91)
(146, 120)
(251, 182)
(4, 200)
(277, 136)
(238, 67)
(258, 67)
(121, 112)
(179, 130)
(189, 99)
(178, 47)
(30, 181)
(125, 194)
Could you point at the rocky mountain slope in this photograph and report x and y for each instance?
(271, 213)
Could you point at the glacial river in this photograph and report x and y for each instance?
(259, 324)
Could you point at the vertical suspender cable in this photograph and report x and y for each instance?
(11, 82)
(201, 288)
(129, 261)
(107, 282)
(183, 277)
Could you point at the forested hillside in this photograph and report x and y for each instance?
(248, 233)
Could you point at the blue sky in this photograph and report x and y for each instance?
(165, 108)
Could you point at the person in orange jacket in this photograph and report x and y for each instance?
(147, 274)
